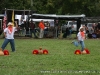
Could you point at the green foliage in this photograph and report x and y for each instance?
(87, 7)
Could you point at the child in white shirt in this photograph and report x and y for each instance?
(9, 36)
(80, 38)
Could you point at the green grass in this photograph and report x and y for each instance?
(61, 59)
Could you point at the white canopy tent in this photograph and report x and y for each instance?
(51, 21)
(38, 20)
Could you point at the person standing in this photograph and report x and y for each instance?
(41, 26)
(9, 36)
(46, 29)
(32, 29)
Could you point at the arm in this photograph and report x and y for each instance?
(5, 34)
(78, 35)
(16, 25)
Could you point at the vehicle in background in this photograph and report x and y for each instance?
(89, 25)
(72, 24)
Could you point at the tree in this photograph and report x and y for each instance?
(87, 7)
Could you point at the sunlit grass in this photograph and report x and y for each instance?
(61, 59)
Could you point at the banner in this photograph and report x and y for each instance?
(13, 17)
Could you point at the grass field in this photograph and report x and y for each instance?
(61, 59)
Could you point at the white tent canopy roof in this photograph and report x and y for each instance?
(38, 20)
(54, 15)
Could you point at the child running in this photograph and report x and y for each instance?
(80, 38)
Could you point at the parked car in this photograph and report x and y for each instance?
(72, 24)
(89, 25)
(90, 28)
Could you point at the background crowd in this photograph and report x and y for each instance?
(44, 30)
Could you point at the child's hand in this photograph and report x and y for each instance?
(16, 22)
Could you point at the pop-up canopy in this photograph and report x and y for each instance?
(60, 17)
(16, 12)
(1, 16)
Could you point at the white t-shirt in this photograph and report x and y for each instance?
(10, 35)
(80, 38)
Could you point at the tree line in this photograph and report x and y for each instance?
(90, 8)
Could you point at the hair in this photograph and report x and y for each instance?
(80, 28)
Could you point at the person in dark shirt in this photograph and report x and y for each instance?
(32, 29)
